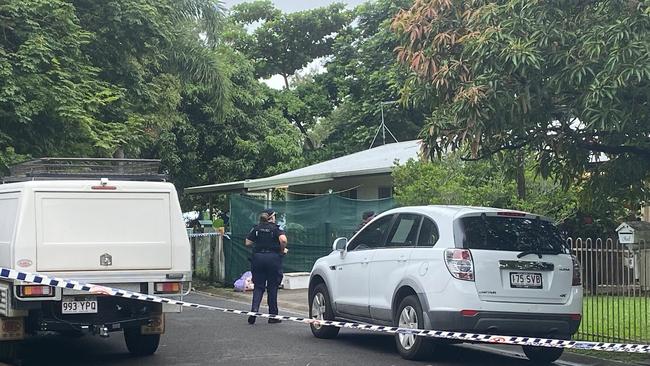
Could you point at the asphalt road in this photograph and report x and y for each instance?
(199, 337)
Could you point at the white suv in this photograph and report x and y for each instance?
(457, 268)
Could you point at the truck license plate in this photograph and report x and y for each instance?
(79, 306)
(525, 280)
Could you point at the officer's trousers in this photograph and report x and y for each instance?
(267, 274)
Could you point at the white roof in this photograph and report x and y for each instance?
(74, 184)
(455, 211)
(378, 160)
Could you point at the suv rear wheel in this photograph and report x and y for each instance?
(409, 315)
(141, 344)
(542, 355)
(320, 308)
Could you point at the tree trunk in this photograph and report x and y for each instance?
(286, 81)
(521, 178)
(119, 153)
(303, 130)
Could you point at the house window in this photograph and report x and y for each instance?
(351, 194)
(385, 192)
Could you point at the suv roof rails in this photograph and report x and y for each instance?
(86, 168)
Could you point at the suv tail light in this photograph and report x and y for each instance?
(460, 264)
(35, 291)
(167, 287)
(577, 275)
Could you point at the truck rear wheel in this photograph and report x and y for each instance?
(9, 351)
(141, 344)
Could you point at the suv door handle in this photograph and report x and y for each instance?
(365, 261)
(402, 258)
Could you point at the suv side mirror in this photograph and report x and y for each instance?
(340, 244)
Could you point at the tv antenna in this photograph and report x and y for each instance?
(382, 127)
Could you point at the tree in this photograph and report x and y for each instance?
(82, 78)
(567, 81)
(285, 43)
(361, 74)
(452, 180)
(305, 104)
(149, 49)
(250, 138)
(50, 92)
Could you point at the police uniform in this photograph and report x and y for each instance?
(266, 264)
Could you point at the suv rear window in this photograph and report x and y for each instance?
(509, 234)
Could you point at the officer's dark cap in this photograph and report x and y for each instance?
(269, 211)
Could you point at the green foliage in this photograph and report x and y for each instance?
(150, 49)
(217, 223)
(564, 80)
(488, 182)
(250, 138)
(362, 73)
(86, 78)
(305, 104)
(285, 43)
(251, 12)
(49, 91)
(483, 183)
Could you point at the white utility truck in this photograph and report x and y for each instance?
(112, 222)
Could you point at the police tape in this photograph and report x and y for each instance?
(198, 235)
(12, 274)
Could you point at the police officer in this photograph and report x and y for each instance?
(269, 244)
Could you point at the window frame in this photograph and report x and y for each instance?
(391, 221)
(435, 227)
(398, 216)
(390, 190)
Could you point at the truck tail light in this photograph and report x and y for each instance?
(577, 275)
(35, 291)
(460, 264)
(167, 287)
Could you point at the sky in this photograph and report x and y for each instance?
(288, 6)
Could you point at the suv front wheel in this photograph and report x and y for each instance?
(320, 308)
(409, 315)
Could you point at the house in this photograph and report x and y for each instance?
(365, 175)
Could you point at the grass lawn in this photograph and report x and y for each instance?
(615, 319)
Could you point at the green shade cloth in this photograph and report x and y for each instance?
(311, 226)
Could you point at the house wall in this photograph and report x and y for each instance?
(646, 213)
(367, 186)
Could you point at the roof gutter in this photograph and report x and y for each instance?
(281, 182)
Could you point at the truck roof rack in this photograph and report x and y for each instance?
(86, 168)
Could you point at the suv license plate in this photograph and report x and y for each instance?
(79, 307)
(525, 280)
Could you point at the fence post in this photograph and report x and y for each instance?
(220, 260)
(193, 248)
(211, 269)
